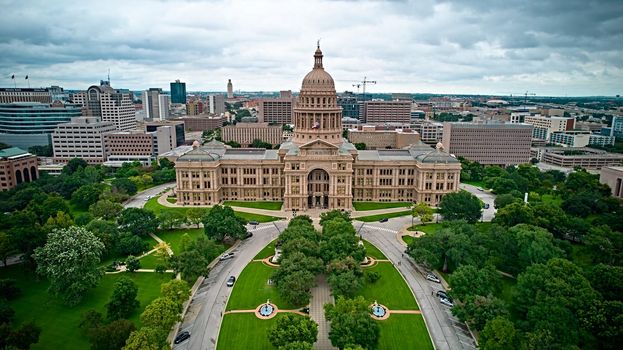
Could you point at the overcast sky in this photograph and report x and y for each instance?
(567, 47)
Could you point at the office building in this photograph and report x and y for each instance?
(350, 104)
(17, 166)
(194, 107)
(246, 133)
(27, 124)
(489, 144)
(613, 177)
(617, 127)
(316, 168)
(10, 95)
(177, 132)
(178, 92)
(129, 146)
(108, 104)
(156, 104)
(230, 89)
(82, 137)
(376, 137)
(580, 139)
(276, 110)
(571, 157)
(430, 132)
(201, 122)
(545, 126)
(215, 104)
(381, 112)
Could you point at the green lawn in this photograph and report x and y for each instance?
(117, 257)
(480, 184)
(371, 218)
(404, 331)
(373, 251)
(407, 239)
(364, 206)
(426, 228)
(506, 292)
(266, 205)
(548, 198)
(174, 237)
(251, 289)
(157, 208)
(245, 331)
(59, 323)
(172, 200)
(151, 261)
(390, 290)
(269, 250)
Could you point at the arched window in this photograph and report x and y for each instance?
(33, 173)
(26, 175)
(18, 176)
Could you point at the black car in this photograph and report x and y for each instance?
(181, 337)
(230, 281)
(254, 223)
(248, 235)
(384, 220)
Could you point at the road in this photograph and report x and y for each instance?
(446, 331)
(486, 196)
(139, 199)
(204, 315)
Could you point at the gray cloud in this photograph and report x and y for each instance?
(470, 46)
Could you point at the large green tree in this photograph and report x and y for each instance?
(138, 221)
(194, 257)
(87, 195)
(500, 334)
(7, 247)
(161, 314)
(146, 338)
(123, 300)
(111, 336)
(460, 205)
(70, 260)
(105, 209)
(477, 310)
(222, 222)
(468, 280)
(351, 323)
(292, 328)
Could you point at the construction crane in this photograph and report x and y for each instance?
(364, 83)
(525, 94)
(357, 86)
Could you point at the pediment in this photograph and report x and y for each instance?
(318, 144)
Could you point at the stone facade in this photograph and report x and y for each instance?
(17, 166)
(316, 168)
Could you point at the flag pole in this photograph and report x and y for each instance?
(28, 80)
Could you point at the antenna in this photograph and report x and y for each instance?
(108, 76)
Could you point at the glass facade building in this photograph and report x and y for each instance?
(178, 92)
(26, 124)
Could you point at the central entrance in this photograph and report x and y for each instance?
(318, 189)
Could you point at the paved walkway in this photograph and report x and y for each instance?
(321, 294)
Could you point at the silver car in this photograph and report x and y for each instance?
(432, 277)
(226, 256)
(446, 302)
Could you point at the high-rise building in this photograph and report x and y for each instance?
(545, 126)
(9, 95)
(108, 104)
(194, 107)
(381, 112)
(178, 92)
(230, 89)
(156, 104)
(277, 110)
(246, 133)
(580, 139)
(201, 122)
(26, 124)
(617, 127)
(376, 137)
(82, 137)
(350, 104)
(215, 104)
(493, 143)
(17, 166)
(177, 131)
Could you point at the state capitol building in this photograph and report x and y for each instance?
(316, 168)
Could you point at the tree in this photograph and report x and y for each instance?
(500, 334)
(7, 247)
(351, 323)
(112, 336)
(124, 185)
(345, 284)
(129, 244)
(165, 163)
(460, 205)
(604, 245)
(423, 212)
(132, 263)
(222, 222)
(106, 231)
(606, 279)
(176, 290)
(70, 260)
(477, 310)
(9, 289)
(87, 195)
(360, 146)
(41, 150)
(138, 221)
(257, 143)
(293, 328)
(170, 219)
(333, 214)
(505, 199)
(161, 314)
(233, 144)
(123, 299)
(146, 338)
(467, 280)
(533, 245)
(513, 214)
(195, 215)
(24, 336)
(297, 345)
(73, 165)
(6, 312)
(194, 257)
(60, 220)
(105, 209)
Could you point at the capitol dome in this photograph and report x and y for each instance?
(318, 79)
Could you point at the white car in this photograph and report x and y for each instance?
(226, 256)
(445, 302)
(432, 277)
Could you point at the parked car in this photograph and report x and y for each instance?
(230, 281)
(433, 277)
(480, 189)
(446, 302)
(384, 220)
(486, 205)
(181, 337)
(248, 235)
(254, 223)
(226, 256)
(444, 295)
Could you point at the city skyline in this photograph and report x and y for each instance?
(556, 48)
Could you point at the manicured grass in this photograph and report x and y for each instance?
(373, 251)
(157, 208)
(404, 331)
(363, 206)
(251, 289)
(117, 257)
(174, 237)
(269, 250)
(151, 261)
(548, 198)
(245, 331)
(426, 228)
(266, 205)
(59, 323)
(480, 184)
(172, 200)
(371, 218)
(390, 290)
(407, 239)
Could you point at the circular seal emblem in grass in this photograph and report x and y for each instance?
(378, 311)
(266, 310)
